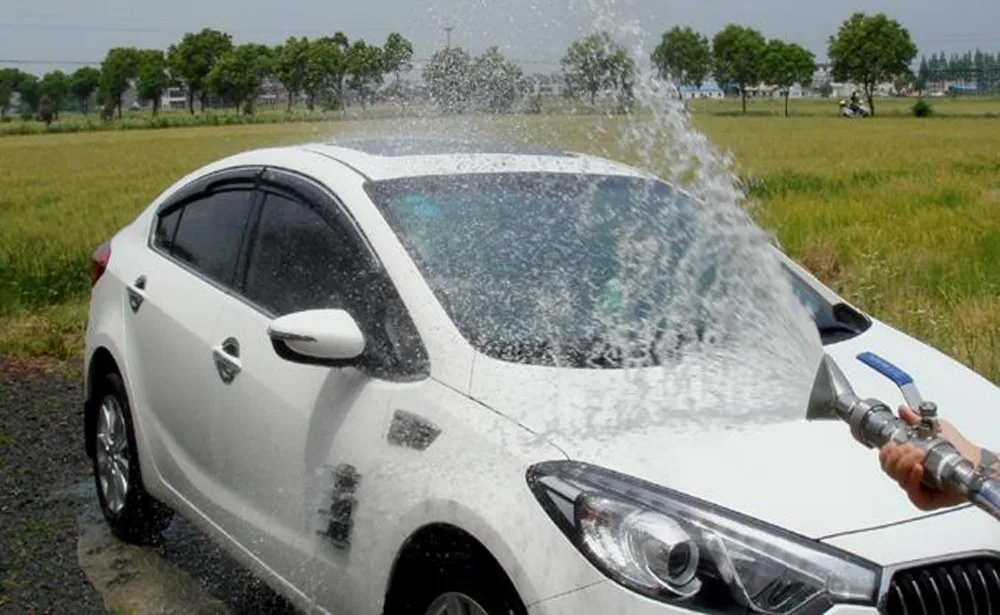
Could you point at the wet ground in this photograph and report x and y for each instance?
(56, 555)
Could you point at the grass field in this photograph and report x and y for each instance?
(900, 215)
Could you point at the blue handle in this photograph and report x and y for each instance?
(885, 368)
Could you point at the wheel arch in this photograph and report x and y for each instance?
(438, 537)
(101, 363)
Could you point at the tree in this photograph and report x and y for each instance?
(152, 79)
(738, 53)
(396, 55)
(239, 74)
(923, 75)
(869, 51)
(55, 85)
(46, 109)
(365, 68)
(30, 90)
(785, 64)
(118, 70)
(326, 68)
(594, 63)
(291, 63)
(448, 78)
(194, 57)
(683, 55)
(497, 83)
(83, 83)
(15, 80)
(9, 79)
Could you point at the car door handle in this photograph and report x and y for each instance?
(136, 293)
(227, 359)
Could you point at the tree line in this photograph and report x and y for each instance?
(978, 67)
(866, 50)
(208, 63)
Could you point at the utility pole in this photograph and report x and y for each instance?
(448, 30)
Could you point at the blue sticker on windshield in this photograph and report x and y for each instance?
(422, 207)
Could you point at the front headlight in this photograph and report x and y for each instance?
(677, 549)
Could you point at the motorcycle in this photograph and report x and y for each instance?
(854, 110)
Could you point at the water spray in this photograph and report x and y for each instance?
(874, 425)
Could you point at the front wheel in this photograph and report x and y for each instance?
(133, 515)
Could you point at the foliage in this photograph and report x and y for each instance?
(11, 80)
(193, 58)
(291, 63)
(365, 70)
(596, 63)
(30, 90)
(56, 86)
(448, 77)
(497, 83)
(46, 109)
(326, 69)
(738, 53)
(119, 68)
(683, 55)
(922, 108)
(152, 79)
(397, 54)
(869, 50)
(239, 74)
(83, 83)
(785, 64)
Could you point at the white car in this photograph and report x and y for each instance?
(313, 353)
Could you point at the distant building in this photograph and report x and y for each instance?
(174, 98)
(706, 90)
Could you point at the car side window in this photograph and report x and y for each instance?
(298, 260)
(210, 231)
(301, 260)
(166, 228)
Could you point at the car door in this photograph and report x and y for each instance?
(278, 419)
(178, 283)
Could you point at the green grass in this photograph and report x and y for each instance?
(900, 215)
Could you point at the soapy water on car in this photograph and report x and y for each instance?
(720, 340)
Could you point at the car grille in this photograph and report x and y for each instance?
(969, 585)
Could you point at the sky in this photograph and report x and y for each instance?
(43, 35)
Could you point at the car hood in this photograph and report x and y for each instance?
(808, 477)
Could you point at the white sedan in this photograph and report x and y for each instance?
(333, 360)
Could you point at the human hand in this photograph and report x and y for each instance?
(905, 464)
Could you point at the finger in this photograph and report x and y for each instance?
(908, 415)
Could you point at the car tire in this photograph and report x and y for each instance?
(455, 576)
(133, 516)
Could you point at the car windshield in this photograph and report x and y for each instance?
(529, 265)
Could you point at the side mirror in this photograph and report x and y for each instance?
(318, 337)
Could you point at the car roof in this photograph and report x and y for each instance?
(399, 156)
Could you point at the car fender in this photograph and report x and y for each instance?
(473, 476)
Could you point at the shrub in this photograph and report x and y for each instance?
(922, 108)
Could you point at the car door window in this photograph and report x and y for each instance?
(210, 231)
(301, 260)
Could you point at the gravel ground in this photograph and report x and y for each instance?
(41, 459)
(47, 501)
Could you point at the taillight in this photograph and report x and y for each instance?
(99, 262)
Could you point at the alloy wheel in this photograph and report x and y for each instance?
(455, 604)
(112, 454)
